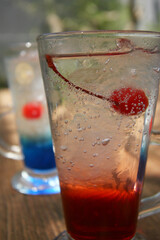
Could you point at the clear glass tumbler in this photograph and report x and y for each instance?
(102, 89)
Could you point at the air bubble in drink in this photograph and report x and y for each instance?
(133, 72)
(105, 141)
(80, 129)
(91, 165)
(95, 154)
(107, 61)
(81, 139)
(64, 148)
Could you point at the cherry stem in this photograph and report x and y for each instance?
(53, 67)
(123, 41)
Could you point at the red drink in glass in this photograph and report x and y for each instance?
(95, 213)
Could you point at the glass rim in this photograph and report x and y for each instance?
(109, 33)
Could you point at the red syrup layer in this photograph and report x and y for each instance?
(32, 110)
(126, 101)
(99, 213)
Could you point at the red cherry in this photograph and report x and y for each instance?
(129, 101)
(32, 110)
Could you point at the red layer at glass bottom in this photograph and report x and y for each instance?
(100, 213)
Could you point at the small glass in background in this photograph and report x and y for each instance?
(39, 175)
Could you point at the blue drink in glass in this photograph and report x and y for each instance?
(38, 154)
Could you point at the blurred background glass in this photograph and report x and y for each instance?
(23, 20)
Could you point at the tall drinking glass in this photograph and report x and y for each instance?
(39, 175)
(102, 89)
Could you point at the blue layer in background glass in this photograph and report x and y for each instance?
(38, 153)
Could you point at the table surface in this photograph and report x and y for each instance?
(41, 217)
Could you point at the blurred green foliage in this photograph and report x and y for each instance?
(89, 14)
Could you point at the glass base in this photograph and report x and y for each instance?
(62, 236)
(138, 236)
(65, 236)
(33, 183)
